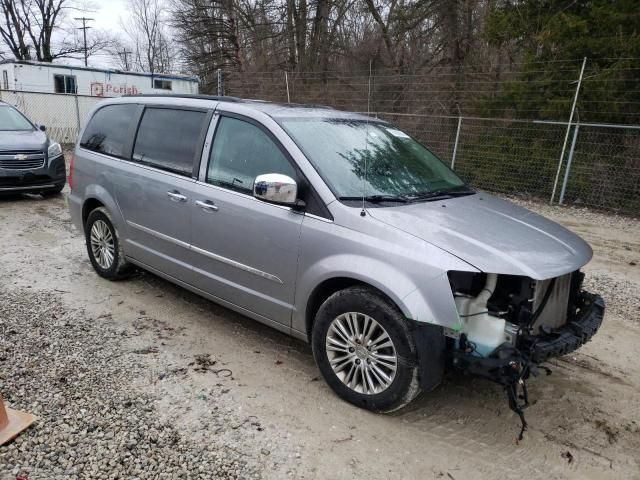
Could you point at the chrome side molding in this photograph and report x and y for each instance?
(206, 253)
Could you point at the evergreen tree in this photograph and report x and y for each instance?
(543, 34)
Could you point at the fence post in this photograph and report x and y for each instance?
(75, 97)
(455, 145)
(286, 81)
(220, 91)
(566, 136)
(568, 169)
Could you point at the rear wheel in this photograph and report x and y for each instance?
(103, 246)
(364, 349)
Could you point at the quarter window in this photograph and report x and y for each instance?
(242, 151)
(109, 129)
(169, 139)
(65, 84)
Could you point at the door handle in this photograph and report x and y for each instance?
(207, 206)
(177, 197)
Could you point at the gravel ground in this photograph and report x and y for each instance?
(142, 380)
(76, 373)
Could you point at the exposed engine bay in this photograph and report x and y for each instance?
(509, 325)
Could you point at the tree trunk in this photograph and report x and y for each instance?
(291, 35)
(300, 18)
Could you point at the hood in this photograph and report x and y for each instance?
(493, 235)
(23, 140)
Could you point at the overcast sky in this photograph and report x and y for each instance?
(106, 15)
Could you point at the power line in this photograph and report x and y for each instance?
(84, 29)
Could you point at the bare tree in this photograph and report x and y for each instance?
(311, 38)
(13, 29)
(148, 34)
(210, 36)
(299, 35)
(121, 53)
(28, 28)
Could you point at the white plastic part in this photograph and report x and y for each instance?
(485, 331)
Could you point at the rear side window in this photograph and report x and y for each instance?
(242, 151)
(109, 129)
(170, 139)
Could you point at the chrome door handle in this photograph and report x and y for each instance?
(177, 197)
(207, 206)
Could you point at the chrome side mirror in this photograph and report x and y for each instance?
(276, 188)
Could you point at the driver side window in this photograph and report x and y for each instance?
(242, 151)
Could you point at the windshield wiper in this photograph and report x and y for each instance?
(445, 193)
(378, 198)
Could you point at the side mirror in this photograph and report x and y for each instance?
(43, 128)
(276, 188)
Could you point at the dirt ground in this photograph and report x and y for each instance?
(585, 422)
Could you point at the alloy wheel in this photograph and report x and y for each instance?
(361, 353)
(102, 244)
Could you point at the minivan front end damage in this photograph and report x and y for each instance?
(509, 325)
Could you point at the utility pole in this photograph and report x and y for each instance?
(124, 53)
(84, 29)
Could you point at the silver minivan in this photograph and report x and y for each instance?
(335, 228)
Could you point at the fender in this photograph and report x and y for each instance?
(438, 308)
(97, 192)
(391, 280)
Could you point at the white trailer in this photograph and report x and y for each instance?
(40, 77)
(61, 96)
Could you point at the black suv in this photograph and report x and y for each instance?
(29, 161)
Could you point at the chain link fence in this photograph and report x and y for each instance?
(600, 167)
(601, 163)
(62, 114)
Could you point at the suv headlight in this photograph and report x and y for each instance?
(54, 150)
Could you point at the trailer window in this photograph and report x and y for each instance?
(162, 84)
(65, 84)
(5, 80)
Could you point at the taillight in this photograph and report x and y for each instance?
(70, 177)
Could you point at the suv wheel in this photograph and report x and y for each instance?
(103, 246)
(365, 351)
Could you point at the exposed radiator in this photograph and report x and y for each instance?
(555, 311)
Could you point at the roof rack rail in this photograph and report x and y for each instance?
(190, 95)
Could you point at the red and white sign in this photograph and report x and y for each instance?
(99, 89)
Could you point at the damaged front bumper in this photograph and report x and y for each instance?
(511, 365)
(503, 365)
(570, 336)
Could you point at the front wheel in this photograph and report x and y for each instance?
(103, 246)
(364, 350)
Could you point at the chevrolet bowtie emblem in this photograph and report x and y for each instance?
(20, 156)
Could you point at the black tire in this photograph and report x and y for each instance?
(405, 385)
(119, 268)
(52, 191)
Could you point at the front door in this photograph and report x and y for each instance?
(245, 251)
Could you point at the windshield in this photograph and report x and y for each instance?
(396, 165)
(11, 119)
